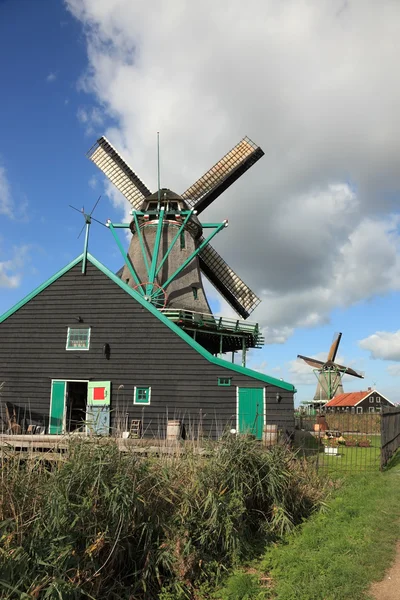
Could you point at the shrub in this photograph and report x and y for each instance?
(107, 524)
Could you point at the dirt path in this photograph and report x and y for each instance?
(389, 587)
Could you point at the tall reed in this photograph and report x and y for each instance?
(104, 524)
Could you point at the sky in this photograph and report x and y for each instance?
(313, 226)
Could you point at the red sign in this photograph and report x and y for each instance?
(99, 393)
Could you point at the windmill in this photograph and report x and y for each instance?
(329, 373)
(168, 251)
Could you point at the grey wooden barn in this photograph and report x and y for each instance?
(86, 351)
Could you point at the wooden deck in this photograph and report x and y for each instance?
(34, 446)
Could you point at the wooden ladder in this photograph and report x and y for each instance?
(135, 430)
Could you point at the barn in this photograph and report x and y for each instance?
(368, 401)
(84, 351)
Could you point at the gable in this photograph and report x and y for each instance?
(135, 302)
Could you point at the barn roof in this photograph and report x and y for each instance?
(348, 399)
(354, 398)
(177, 330)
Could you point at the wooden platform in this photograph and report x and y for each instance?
(31, 445)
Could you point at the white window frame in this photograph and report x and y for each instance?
(359, 410)
(378, 409)
(378, 399)
(89, 329)
(371, 400)
(141, 387)
(371, 409)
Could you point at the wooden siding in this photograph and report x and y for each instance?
(144, 352)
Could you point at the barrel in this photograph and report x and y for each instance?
(173, 431)
(270, 435)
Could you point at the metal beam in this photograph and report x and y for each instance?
(141, 242)
(85, 248)
(156, 247)
(181, 228)
(125, 257)
(195, 253)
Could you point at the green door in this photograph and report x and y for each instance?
(98, 407)
(251, 411)
(57, 405)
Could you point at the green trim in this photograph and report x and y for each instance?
(39, 289)
(126, 258)
(227, 381)
(142, 395)
(154, 258)
(177, 330)
(141, 242)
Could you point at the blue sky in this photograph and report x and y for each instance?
(313, 226)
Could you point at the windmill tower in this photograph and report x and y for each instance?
(329, 374)
(169, 248)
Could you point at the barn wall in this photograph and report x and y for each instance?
(144, 352)
(366, 404)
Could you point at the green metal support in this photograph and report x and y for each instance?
(121, 225)
(125, 257)
(218, 226)
(141, 242)
(154, 258)
(85, 247)
(180, 230)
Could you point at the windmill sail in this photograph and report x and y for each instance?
(108, 160)
(232, 288)
(225, 172)
(334, 347)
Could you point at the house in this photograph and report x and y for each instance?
(369, 401)
(86, 351)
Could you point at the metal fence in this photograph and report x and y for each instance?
(390, 434)
(342, 441)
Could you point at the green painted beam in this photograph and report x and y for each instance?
(125, 257)
(219, 226)
(156, 248)
(181, 228)
(141, 242)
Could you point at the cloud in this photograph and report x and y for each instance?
(313, 225)
(12, 268)
(384, 345)
(93, 182)
(91, 118)
(51, 77)
(6, 202)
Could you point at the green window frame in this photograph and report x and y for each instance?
(142, 395)
(224, 381)
(78, 338)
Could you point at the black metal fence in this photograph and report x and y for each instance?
(390, 434)
(342, 441)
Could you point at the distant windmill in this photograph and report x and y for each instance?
(329, 373)
(88, 217)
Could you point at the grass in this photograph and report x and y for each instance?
(354, 459)
(103, 524)
(339, 552)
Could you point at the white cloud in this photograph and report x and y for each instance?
(93, 182)
(6, 202)
(11, 269)
(51, 77)
(91, 118)
(313, 225)
(384, 345)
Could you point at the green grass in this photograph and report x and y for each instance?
(354, 459)
(339, 552)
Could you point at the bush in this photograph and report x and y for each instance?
(107, 524)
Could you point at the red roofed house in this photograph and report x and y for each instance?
(370, 401)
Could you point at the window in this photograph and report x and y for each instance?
(224, 381)
(371, 400)
(371, 409)
(359, 410)
(378, 409)
(141, 395)
(78, 338)
(194, 290)
(378, 399)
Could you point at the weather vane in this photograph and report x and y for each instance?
(88, 218)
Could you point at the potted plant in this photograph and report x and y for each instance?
(365, 443)
(351, 441)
